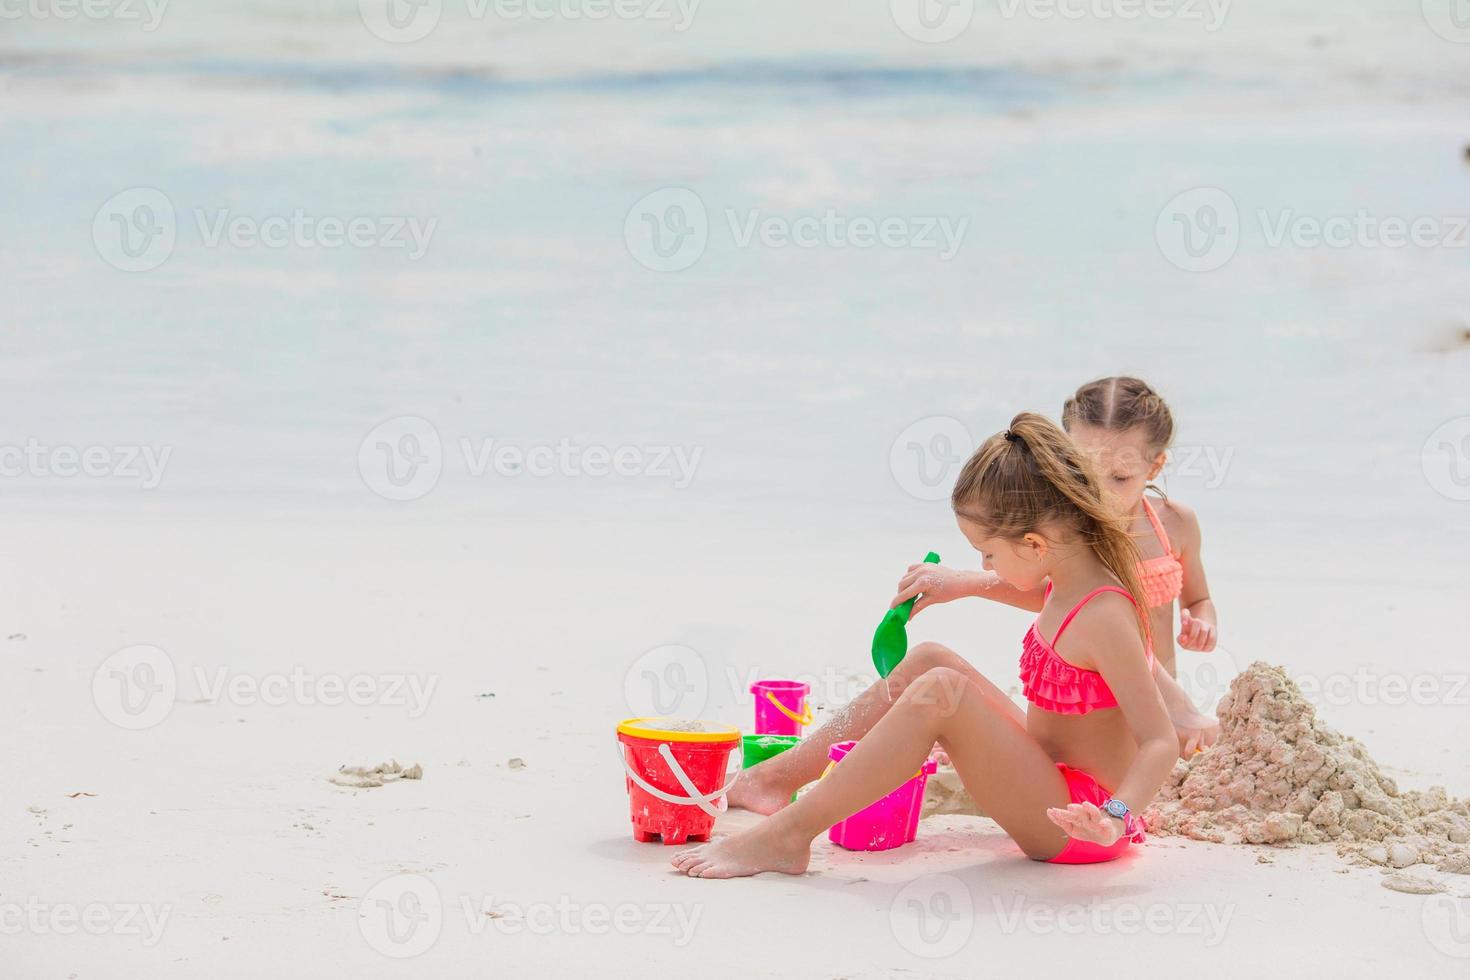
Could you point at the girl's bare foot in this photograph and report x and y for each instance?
(747, 853)
(752, 792)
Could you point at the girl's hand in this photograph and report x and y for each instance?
(1084, 821)
(932, 584)
(1196, 733)
(1196, 634)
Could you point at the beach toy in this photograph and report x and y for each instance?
(676, 776)
(888, 823)
(891, 641)
(780, 707)
(759, 748)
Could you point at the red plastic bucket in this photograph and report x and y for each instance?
(676, 778)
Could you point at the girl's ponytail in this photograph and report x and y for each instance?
(1033, 474)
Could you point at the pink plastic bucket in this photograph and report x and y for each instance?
(890, 822)
(780, 707)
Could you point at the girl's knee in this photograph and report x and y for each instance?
(938, 689)
(926, 656)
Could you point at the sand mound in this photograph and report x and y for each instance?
(1280, 776)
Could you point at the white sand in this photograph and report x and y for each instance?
(219, 822)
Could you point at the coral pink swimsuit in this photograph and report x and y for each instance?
(1163, 577)
(1052, 684)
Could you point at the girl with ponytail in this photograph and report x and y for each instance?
(1066, 778)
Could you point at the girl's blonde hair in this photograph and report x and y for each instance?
(1033, 474)
(1121, 403)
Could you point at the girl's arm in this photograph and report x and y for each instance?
(1198, 625)
(935, 583)
(1108, 628)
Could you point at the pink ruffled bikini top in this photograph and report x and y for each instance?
(1051, 683)
(1163, 577)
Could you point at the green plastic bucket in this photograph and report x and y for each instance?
(759, 748)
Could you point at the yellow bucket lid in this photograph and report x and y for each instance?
(678, 730)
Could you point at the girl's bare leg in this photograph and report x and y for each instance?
(767, 787)
(1005, 770)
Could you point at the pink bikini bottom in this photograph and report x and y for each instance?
(1083, 788)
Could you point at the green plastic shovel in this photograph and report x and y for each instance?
(891, 641)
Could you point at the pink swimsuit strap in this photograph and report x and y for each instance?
(1163, 577)
(1052, 683)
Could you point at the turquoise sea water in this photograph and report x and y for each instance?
(1308, 378)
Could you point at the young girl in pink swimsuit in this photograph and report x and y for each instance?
(1095, 739)
(1125, 429)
